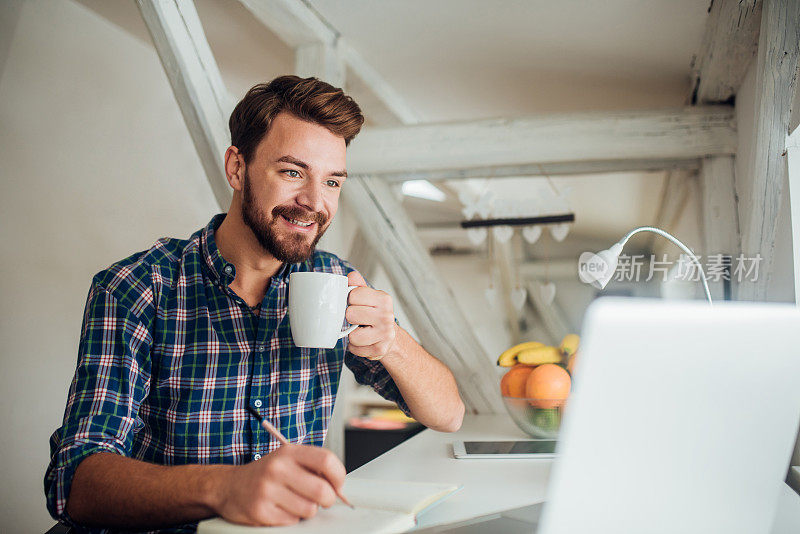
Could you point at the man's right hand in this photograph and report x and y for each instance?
(283, 487)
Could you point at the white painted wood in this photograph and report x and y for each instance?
(794, 120)
(729, 45)
(195, 79)
(441, 326)
(551, 315)
(321, 60)
(292, 21)
(545, 169)
(760, 198)
(503, 259)
(686, 133)
(719, 210)
(793, 164)
(297, 24)
(362, 256)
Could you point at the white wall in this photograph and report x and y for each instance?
(96, 163)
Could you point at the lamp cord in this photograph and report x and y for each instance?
(675, 240)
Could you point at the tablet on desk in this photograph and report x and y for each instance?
(531, 448)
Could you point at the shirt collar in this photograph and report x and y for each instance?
(221, 269)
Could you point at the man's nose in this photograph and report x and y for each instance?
(310, 196)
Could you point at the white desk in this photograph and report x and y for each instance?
(490, 486)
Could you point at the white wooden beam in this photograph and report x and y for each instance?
(424, 295)
(553, 319)
(793, 164)
(720, 216)
(503, 259)
(546, 169)
(298, 24)
(679, 134)
(760, 200)
(293, 21)
(196, 81)
(321, 60)
(729, 45)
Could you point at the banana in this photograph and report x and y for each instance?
(509, 357)
(569, 345)
(539, 356)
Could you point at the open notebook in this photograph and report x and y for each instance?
(381, 506)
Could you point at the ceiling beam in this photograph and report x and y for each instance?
(504, 260)
(425, 297)
(196, 82)
(761, 189)
(729, 45)
(676, 134)
(720, 217)
(298, 24)
(551, 315)
(546, 169)
(293, 21)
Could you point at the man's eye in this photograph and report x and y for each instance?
(333, 183)
(291, 173)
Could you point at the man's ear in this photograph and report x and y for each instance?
(234, 168)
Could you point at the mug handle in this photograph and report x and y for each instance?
(349, 330)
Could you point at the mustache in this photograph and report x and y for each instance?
(299, 214)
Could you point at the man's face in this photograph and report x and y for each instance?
(291, 187)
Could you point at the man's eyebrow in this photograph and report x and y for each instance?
(293, 161)
(306, 166)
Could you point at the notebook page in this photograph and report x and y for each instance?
(394, 495)
(335, 520)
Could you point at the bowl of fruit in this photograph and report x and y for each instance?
(537, 384)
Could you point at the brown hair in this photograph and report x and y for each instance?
(308, 99)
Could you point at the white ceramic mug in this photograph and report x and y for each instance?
(317, 302)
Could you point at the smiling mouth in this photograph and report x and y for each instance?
(300, 224)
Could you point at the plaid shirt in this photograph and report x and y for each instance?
(170, 356)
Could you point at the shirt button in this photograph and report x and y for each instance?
(261, 348)
(228, 269)
(257, 403)
(256, 456)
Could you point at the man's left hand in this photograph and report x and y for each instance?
(373, 311)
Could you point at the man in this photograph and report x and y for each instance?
(178, 340)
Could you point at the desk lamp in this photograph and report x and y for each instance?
(611, 256)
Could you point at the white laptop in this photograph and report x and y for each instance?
(682, 420)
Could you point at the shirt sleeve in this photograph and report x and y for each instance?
(111, 380)
(372, 373)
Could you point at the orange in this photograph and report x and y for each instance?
(548, 386)
(513, 382)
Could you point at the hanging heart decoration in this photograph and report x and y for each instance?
(502, 233)
(559, 231)
(484, 205)
(468, 211)
(518, 295)
(477, 235)
(548, 292)
(532, 233)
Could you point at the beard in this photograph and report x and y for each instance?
(294, 247)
